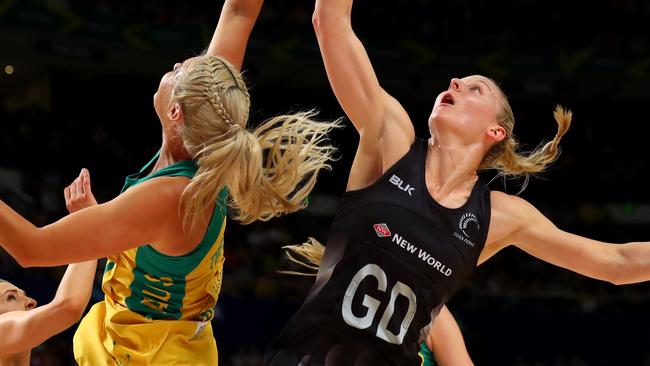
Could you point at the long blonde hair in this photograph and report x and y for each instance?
(268, 171)
(503, 157)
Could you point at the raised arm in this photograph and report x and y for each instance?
(517, 222)
(24, 330)
(235, 25)
(446, 341)
(384, 127)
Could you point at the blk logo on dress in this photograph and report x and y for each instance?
(397, 181)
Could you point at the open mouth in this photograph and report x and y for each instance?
(447, 99)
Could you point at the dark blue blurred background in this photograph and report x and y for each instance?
(79, 94)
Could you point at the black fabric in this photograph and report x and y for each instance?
(393, 257)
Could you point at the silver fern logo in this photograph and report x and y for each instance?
(465, 220)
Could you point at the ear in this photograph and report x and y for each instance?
(175, 113)
(496, 133)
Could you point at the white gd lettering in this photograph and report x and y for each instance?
(372, 304)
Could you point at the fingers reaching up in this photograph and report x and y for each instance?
(78, 194)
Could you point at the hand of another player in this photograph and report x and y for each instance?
(78, 194)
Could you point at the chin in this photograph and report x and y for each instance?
(435, 118)
(156, 102)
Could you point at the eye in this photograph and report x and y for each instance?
(11, 297)
(476, 88)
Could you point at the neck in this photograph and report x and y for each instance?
(451, 169)
(172, 151)
(18, 359)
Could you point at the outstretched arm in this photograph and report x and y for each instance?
(145, 214)
(446, 341)
(24, 330)
(517, 222)
(235, 25)
(377, 116)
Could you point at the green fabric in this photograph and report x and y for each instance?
(162, 277)
(109, 265)
(426, 355)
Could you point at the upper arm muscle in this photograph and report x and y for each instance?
(517, 222)
(144, 214)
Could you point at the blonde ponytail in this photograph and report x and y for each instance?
(505, 158)
(279, 167)
(268, 171)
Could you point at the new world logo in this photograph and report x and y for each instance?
(382, 230)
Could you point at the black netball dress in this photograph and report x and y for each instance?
(394, 256)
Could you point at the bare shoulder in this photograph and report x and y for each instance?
(163, 195)
(157, 198)
(160, 190)
(507, 206)
(509, 215)
(167, 185)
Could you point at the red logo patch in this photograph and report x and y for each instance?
(382, 230)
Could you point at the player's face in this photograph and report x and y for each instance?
(162, 97)
(14, 299)
(469, 107)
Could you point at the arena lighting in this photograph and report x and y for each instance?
(9, 69)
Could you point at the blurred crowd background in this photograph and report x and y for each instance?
(76, 84)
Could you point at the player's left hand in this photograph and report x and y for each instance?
(78, 194)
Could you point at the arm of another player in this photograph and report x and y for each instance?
(445, 340)
(24, 330)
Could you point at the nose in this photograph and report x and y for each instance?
(30, 304)
(455, 84)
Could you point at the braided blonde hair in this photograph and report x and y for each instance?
(268, 171)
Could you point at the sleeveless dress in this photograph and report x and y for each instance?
(157, 308)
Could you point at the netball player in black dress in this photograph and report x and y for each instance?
(416, 218)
